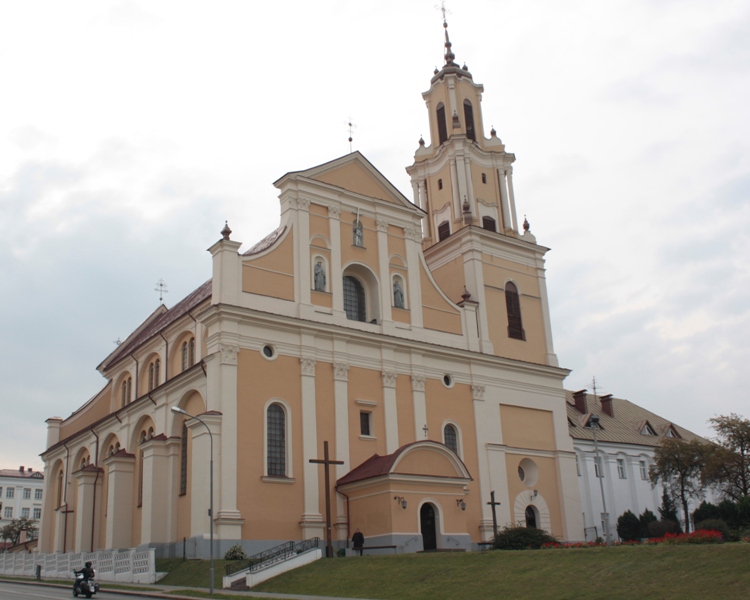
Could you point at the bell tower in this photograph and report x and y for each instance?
(470, 237)
(461, 178)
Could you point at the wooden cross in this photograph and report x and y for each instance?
(493, 504)
(327, 463)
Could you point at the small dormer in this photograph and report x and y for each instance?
(645, 428)
(671, 432)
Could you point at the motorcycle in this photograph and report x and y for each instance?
(88, 587)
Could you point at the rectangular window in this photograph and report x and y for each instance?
(8, 512)
(621, 468)
(10, 492)
(25, 513)
(38, 494)
(26, 493)
(37, 514)
(644, 470)
(598, 466)
(364, 423)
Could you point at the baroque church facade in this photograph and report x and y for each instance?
(413, 337)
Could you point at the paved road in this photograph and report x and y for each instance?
(15, 591)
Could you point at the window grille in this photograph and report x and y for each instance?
(444, 230)
(488, 223)
(276, 432)
(451, 438)
(26, 493)
(354, 299)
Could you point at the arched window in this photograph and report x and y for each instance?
(354, 299)
(188, 353)
(513, 305)
(488, 223)
(153, 374)
(469, 118)
(442, 128)
(125, 391)
(450, 435)
(276, 441)
(183, 460)
(444, 230)
(530, 515)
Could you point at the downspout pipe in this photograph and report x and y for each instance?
(348, 520)
(137, 369)
(65, 498)
(166, 356)
(96, 480)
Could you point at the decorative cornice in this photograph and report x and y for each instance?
(341, 371)
(334, 211)
(308, 366)
(229, 355)
(389, 379)
(417, 383)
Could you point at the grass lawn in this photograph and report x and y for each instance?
(663, 571)
(190, 573)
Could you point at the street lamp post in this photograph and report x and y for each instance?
(178, 410)
(594, 424)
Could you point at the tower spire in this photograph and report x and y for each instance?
(449, 56)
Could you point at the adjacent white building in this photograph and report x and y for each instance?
(21, 493)
(627, 437)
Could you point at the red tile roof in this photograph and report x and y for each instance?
(159, 323)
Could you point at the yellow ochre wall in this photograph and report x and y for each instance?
(273, 273)
(270, 504)
(436, 312)
(354, 178)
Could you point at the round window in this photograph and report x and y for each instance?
(447, 381)
(528, 472)
(268, 351)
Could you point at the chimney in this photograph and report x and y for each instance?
(579, 401)
(20, 468)
(607, 407)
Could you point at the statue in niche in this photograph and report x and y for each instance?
(319, 277)
(358, 234)
(398, 295)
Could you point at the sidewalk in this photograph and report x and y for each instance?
(168, 591)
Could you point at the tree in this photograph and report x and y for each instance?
(628, 526)
(727, 464)
(645, 519)
(668, 510)
(12, 531)
(677, 465)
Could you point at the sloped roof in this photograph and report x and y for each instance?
(377, 465)
(626, 425)
(27, 473)
(159, 323)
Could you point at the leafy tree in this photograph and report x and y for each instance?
(727, 464)
(628, 526)
(677, 465)
(12, 531)
(705, 512)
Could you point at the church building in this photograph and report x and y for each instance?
(411, 337)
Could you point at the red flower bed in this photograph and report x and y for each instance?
(697, 537)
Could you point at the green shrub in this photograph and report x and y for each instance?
(646, 518)
(521, 538)
(658, 529)
(628, 527)
(235, 553)
(715, 525)
(706, 511)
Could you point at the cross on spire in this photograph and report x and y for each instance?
(161, 287)
(351, 127)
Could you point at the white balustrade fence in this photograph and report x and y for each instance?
(126, 566)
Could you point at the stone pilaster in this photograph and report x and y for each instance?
(120, 477)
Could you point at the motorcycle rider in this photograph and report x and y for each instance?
(87, 573)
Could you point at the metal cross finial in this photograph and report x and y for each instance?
(425, 429)
(161, 287)
(442, 9)
(351, 127)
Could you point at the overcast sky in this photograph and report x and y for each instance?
(130, 131)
